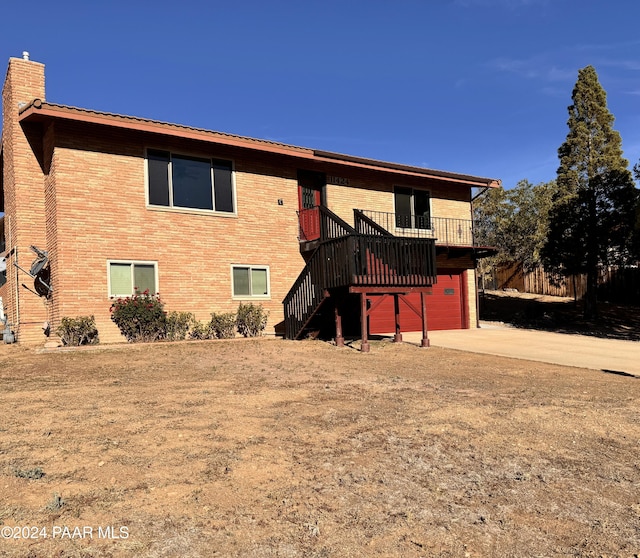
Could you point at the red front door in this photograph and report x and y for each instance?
(310, 186)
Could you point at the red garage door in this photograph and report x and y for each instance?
(445, 308)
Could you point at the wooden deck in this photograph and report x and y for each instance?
(357, 260)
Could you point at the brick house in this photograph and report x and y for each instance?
(209, 219)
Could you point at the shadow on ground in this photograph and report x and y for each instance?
(561, 315)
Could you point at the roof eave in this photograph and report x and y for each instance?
(362, 162)
(39, 110)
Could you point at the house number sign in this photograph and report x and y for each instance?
(337, 180)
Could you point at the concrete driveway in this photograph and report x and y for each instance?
(556, 348)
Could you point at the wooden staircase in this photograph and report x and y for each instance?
(345, 257)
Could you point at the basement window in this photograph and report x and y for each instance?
(186, 182)
(250, 281)
(127, 278)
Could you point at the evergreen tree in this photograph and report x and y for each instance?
(514, 221)
(592, 218)
(636, 231)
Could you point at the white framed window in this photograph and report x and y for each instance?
(250, 281)
(125, 278)
(413, 208)
(186, 182)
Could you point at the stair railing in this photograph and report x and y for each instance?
(366, 225)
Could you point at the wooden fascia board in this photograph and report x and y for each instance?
(406, 172)
(35, 114)
(399, 168)
(42, 111)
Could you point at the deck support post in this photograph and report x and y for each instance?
(423, 304)
(397, 338)
(339, 335)
(365, 348)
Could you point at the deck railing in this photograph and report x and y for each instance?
(357, 260)
(445, 231)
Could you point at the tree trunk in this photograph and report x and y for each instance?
(591, 296)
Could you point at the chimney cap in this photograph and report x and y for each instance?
(25, 55)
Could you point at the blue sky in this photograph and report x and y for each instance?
(471, 86)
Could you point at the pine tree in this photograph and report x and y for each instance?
(593, 213)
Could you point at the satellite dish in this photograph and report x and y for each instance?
(41, 282)
(40, 272)
(41, 260)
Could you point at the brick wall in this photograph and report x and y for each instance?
(98, 187)
(374, 191)
(472, 298)
(24, 200)
(101, 215)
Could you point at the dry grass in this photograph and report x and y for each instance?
(274, 448)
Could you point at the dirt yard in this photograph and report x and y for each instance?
(265, 448)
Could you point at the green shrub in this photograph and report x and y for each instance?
(78, 331)
(33, 474)
(223, 325)
(55, 504)
(140, 317)
(177, 325)
(201, 330)
(251, 319)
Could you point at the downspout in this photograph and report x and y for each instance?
(17, 279)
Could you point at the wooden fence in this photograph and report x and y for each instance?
(615, 284)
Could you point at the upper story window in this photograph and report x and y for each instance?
(413, 208)
(190, 182)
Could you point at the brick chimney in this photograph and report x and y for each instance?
(23, 183)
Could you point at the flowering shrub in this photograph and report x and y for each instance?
(251, 319)
(140, 317)
(78, 331)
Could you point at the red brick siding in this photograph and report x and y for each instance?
(101, 215)
(24, 199)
